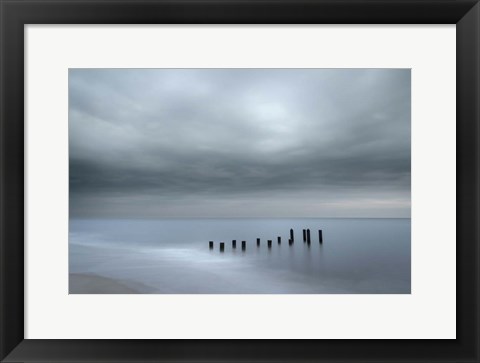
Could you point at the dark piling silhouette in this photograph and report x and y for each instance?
(306, 239)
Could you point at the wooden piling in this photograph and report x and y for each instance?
(222, 246)
(304, 235)
(291, 234)
(290, 242)
(279, 240)
(258, 242)
(269, 243)
(308, 236)
(244, 245)
(210, 244)
(320, 236)
(234, 243)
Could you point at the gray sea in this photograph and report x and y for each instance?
(172, 256)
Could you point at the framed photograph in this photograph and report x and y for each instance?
(239, 181)
(175, 194)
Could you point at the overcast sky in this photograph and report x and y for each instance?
(239, 143)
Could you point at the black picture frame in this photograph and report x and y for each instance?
(15, 14)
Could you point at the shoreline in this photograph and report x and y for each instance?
(80, 283)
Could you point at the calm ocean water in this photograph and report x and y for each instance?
(172, 255)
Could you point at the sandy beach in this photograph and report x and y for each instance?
(94, 284)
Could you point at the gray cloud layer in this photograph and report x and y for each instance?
(238, 142)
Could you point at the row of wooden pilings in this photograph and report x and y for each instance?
(306, 239)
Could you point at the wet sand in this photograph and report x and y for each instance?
(94, 284)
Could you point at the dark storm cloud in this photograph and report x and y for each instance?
(204, 142)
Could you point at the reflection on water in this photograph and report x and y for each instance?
(173, 256)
